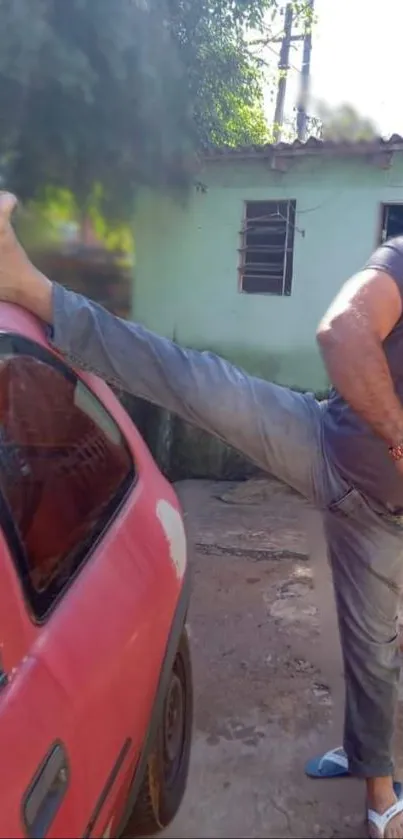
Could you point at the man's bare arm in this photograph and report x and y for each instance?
(350, 337)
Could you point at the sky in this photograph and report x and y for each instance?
(357, 57)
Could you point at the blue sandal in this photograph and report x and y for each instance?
(333, 764)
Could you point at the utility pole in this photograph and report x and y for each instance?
(305, 74)
(283, 66)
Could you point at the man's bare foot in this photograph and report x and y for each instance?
(380, 798)
(13, 259)
(20, 281)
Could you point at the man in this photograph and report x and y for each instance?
(345, 455)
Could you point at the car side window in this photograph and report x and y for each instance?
(65, 468)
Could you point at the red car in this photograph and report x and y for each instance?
(95, 678)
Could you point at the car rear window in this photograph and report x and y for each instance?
(65, 468)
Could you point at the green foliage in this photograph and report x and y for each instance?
(99, 96)
(344, 123)
(43, 222)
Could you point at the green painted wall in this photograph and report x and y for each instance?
(186, 284)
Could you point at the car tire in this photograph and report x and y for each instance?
(166, 774)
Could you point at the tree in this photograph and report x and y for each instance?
(344, 123)
(99, 96)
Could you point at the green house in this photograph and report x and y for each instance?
(247, 263)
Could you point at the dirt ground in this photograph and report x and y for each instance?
(268, 682)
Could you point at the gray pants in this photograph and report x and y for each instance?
(282, 432)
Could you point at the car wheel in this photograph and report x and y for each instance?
(165, 780)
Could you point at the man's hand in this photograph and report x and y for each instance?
(20, 281)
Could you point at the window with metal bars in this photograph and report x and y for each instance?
(267, 247)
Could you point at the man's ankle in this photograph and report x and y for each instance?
(36, 295)
(380, 792)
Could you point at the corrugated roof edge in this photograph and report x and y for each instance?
(311, 146)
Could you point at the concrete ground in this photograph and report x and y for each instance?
(268, 683)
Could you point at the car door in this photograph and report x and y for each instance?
(87, 565)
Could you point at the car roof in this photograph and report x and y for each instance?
(16, 320)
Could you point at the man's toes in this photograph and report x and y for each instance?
(395, 829)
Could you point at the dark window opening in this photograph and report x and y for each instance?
(64, 468)
(267, 248)
(391, 221)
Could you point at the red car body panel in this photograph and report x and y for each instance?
(87, 676)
